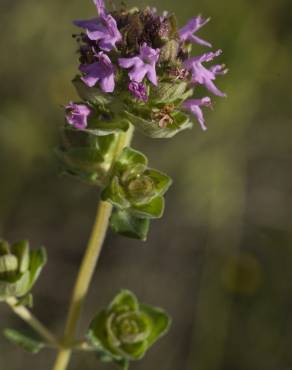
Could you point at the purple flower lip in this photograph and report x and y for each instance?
(193, 105)
(104, 30)
(138, 90)
(77, 114)
(101, 71)
(142, 65)
(186, 33)
(204, 76)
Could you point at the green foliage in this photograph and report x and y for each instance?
(19, 268)
(126, 329)
(152, 122)
(93, 95)
(138, 191)
(126, 224)
(85, 155)
(24, 341)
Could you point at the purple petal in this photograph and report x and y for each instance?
(128, 62)
(213, 89)
(90, 81)
(89, 24)
(138, 74)
(199, 41)
(100, 6)
(107, 84)
(193, 105)
(77, 114)
(151, 74)
(142, 64)
(186, 33)
(101, 71)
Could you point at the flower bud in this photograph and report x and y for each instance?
(19, 268)
(126, 329)
(135, 187)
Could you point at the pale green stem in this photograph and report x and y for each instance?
(32, 321)
(88, 266)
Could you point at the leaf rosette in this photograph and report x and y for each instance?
(19, 268)
(135, 187)
(127, 329)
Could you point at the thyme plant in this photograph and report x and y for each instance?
(137, 71)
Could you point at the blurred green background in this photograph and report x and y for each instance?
(220, 260)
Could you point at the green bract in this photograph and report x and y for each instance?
(86, 155)
(161, 117)
(159, 124)
(127, 329)
(19, 268)
(135, 187)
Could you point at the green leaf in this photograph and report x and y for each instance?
(85, 158)
(115, 194)
(131, 157)
(15, 286)
(26, 300)
(8, 264)
(123, 364)
(124, 298)
(134, 351)
(162, 182)
(24, 341)
(151, 128)
(91, 94)
(97, 337)
(103, 127)
(124, 223)
(21, 251)
(38, 259)
(153, 209)
(168, 92)
(160, 322)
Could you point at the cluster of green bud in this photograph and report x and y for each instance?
(137, 193)
(125, 330)
(19, 268)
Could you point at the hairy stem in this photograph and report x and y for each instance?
(88, 266)
(32, 321)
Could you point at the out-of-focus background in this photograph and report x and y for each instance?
(220, 261)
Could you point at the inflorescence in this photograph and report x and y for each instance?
(136, 55)
(136, 70)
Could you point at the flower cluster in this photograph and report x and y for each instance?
(133, 55)
(126, 329)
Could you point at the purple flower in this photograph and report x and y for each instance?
(101, 71)
(138, 90)
(77, 114)
(193, 105)
(204, 76)
(186, 33)
(142, 65)
(100, 6)
(104, 30)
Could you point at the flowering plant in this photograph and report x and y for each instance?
(136, 71)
